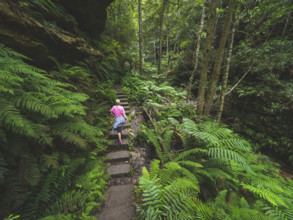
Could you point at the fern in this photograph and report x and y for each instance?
(154, 168)
(154, 140)
(31, 174)
(227, 155)
(220, 201)
(42, 122)
(188, 153)
(278, 213)
(234, 143)
(203, 211)
(266, 195)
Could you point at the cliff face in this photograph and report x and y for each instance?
(65, 37)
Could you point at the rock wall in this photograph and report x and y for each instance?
(65, 40)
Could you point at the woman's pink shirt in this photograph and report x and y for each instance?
(117, 110)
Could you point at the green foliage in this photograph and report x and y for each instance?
(50, 134)
(212, 156)
(167, 193)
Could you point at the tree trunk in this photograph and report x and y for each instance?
(226, 74)
(175, 43)
(206, 56)
(286, 24)
(140, 36)
(155, 51)
(196, 51)
(219, 58)
(161, 36)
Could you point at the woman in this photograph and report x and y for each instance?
(119, 114)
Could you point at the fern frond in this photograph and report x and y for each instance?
(78, 127)
(203, 211)
(191, 164)
(31, 174)
(167, 138)
(234, 143)
(170, 171)
(30, 103)
(9, 82)
(154, 168)
(145, 173)
(247, 214)
(8, 52)
(212, 127)
(263, 184)
(266, 195)
(221, 200)
(189, 153)
(185, 185)
(227, 155)
(12, 119)
(154, 140)
(69, 137)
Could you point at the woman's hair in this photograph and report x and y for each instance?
(117, 101)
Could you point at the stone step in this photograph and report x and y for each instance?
(123, 100)
(114, 145)
(119, 170)
(119, 204)
(114, 134)
(125, 103)
(122, 155)
(121, 97)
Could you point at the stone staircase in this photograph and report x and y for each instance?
(120, 195)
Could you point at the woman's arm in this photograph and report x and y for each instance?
(125, 116)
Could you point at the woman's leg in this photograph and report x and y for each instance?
(119, 133)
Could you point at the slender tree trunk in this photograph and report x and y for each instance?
(161, 35)
(286, 24)
(226, 74)
(140, 36)
(175, 43)
(219, 58)
(196, 51)
(206, 56)
(155, 52)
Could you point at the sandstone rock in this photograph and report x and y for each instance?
(21, 32)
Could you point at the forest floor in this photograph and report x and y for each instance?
(120, 201)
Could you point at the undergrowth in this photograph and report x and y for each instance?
(52, 129)
(203, 170)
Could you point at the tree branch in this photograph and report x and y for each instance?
(239, 81)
